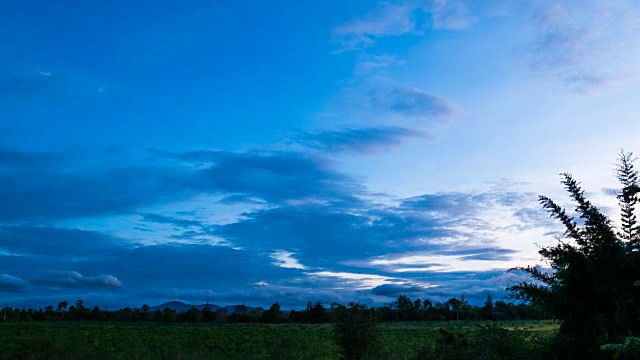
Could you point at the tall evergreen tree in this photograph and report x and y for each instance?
(628, 198)
(593, 269)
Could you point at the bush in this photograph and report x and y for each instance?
(487, 342)
(357, 333)
(629, 350)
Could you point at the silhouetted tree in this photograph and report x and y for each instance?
(273, 314)
(62, 306)
(221, 315)
(315, 313)
(455, 305)
(590, 285)
(628, 198)
(356, 332)
(487, 310)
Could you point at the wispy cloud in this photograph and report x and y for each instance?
(171, 220)
(449, 14)
(12, 284)
(387, 20)
(378, 102)
(368, 63)
(393, 290)
(47, 241)
(400, 18)
(586, 45)
(360, 140)
(412, 102)
(285, 259)
(357, 281)
(47, 192)
(55, 194)
(74, 279)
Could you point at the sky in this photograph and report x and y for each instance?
(286, 151)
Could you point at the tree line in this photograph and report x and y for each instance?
(403, 309)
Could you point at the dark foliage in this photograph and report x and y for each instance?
(404, 309)
(485, 342)
(593, 270)
(356, 332)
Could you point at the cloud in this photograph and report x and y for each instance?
(450, 14)
(222, 273)
(272, 176)
(12, 284)
(479, 253)
(586, 46)
(474, 286)
(391, 19)
(446, 225)
(368, 63)
(132, 268)
(448, 260)
(277, 177)
(400, 18)
(387, 20)
(74, 279)
(536, 218)
(50, 194)
(239, 199)
(411, 102)
(396, 290)
(608, 191)
(316, 230)
(357, 281)
(360, 140)
(458, 206)
(49, 241)
(285, 259)
(331, 231)
(163, 219)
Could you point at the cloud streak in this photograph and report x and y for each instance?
(370, 140)
(74, 279)
(12, 284)
(585, 46)
(414, 103)
(388, 20)
(397, 19)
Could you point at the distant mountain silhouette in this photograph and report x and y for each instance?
(182, 307)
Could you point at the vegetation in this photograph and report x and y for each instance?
(403, 309)
(629, 350)
(590, 285)
(88, 340)
(356, 332)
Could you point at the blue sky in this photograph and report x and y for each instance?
(299, 151)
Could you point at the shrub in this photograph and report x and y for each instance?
(357, 333)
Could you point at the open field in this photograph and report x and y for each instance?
(75, 340)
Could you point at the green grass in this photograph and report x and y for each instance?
(404, 340)
(235, 341)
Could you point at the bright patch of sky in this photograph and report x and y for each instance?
(300, 151)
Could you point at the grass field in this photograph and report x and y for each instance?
(235, 341)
